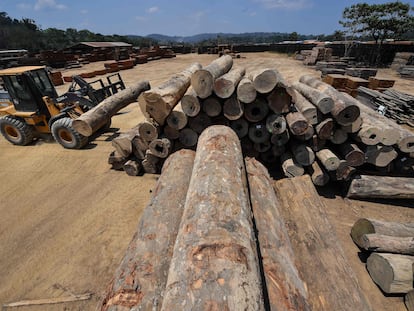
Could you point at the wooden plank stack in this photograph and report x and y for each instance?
(391, 247)
(307, 127)
(363, 73)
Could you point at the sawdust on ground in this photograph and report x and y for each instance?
(66, 218)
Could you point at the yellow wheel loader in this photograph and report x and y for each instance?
(31, 106)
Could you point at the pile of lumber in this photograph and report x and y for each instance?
(402, 59)
(391, 259)
(318, 53)
(307, 127)
(363, 73)
(406, 72)
(214, 237)
(337, 67)
(396, 105)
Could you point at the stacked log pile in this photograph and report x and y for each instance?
(307, 127)
(391, 259)
(318, 53)
(215, 238)
(402, 59)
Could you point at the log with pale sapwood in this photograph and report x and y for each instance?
(409, 300)
(177, 119)
(160, 147)
(116, 160)
(324, 129)
(297, 123)
(246, 92)
(141, 277)
(92, 120)
(308, 110)
(375, 242)
(148, 130)
(214, 264)
(379, 155)
(190, 103)
(307, 135)
(322, 101)
(328, 159)
(264, 80)
(225, 85)
(203, 79)
(354, 126)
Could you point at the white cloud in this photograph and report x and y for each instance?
(285, 4)
(153, 9)
(24, 6)
(48, 4)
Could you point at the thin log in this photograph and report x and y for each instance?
(311, 234)
(240, 126)
(309, 111)
(48, 301)
(141, 278)
(177, 119)
(199, 122)
(352, 154)
(303, 154)
(328, 159)
(190, 104)
(132, 167)
(264, 80)
(233, 109)
(324, 129)
(322, 101)
(203, 79)
(285, 288)
(371, 187)
(226, 85)
(214, 264)
(148, 130)
(161, 100)
(92, 120)
(116, 160)
(258, 133)
(188, 137)
(318, 174)
(279, 100)
(297, 123)
(291, 168)
(246, 92)
(256, 111)
(393, 273)
(160, 147)
(212, 106)
(150, 163)
(276, 124)
(139, 147)
(375, 242)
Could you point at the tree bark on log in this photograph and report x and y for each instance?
(214, 264)
(285, 289)
(139, 147)
(322, 101)
(328, 159)
(212, 106)
(365, 226)
(256, 111)
(307, 135)
(264, 80)
(381, 187)
(309, 111)
(141, 277)
(160, 101)
(92, 120)
(375, 242)
(233, 109)
(150, 163)
(203, 79)
(393, 273)
(304, 212)
(190, 103)
(246, 92)
(226, 85)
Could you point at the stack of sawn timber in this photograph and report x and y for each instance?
(281, 125)
(214, 238)
(390, 263)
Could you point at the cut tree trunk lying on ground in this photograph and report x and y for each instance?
(388, 244)
(161, 100)
(190, 104)
(226, 85)
(215, 264)
(308, 110)
(264, 80)
(370, 226)
(246, 92)
(203, 79)
(285, 289)
(304, 212)
(92, 120)
(322, 101)
(141, 277)
(393, 273)
(381, 187)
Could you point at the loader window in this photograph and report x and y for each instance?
(20, 88)
(43, 83)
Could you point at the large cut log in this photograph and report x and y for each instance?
(92, 120)
(393, 273)
(233, 109)
(203, 79)
(328, 159)
(225, 85)
(214, 264)
(322, 101)
(246, 92)
(190, 103)
(377, 187)
(285, 289)
(212, 106)
(141, 277)
(256, 111)
(123, 143)
(264, 80)
(290, 167)
(375, 242)
(305, 107)
(160, 101)
(307, 135)
(365, 226)
(316, 248)
(279, 100)
(354, 126)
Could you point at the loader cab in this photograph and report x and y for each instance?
(26, 87)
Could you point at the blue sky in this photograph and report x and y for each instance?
(184, 17)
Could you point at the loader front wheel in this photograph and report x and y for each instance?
(16, 131)
(66, 135)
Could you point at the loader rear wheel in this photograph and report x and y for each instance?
(16, 131)
(66, 135)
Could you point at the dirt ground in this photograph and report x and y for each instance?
(66, 218)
